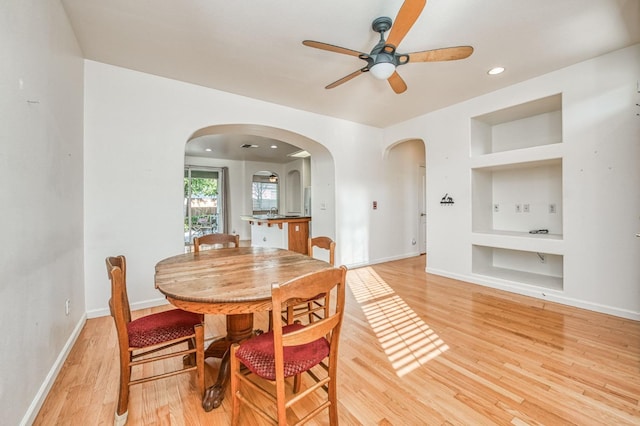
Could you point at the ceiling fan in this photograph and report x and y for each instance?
(384, 59)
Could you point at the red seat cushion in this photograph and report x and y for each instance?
(161, 327)
(257, 354)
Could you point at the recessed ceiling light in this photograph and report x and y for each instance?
(208, 149)
(495, 71)
(274, 146)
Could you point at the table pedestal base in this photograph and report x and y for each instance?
(239, 328)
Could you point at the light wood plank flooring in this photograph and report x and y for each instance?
(416, 349)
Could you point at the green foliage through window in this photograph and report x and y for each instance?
(204, 183)
(201, 187)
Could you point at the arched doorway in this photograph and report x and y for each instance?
(311, 170)
(406, 169)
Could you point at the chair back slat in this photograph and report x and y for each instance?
(215, 239)
(311, 332)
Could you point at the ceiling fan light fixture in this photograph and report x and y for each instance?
(383, 70)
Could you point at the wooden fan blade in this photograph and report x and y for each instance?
(346, 78)
(444, 54)
(332, 48)
(407, 16)
(397, 83)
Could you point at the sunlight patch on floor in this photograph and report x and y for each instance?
(407, 341)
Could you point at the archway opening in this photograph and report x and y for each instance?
(309, 168)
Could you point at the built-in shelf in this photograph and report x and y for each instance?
(531, 124)
(536, 280)
(516, 174)
(526, 157)
(538, 269)
(547, 243)
(518, 198)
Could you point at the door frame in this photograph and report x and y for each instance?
(422, 209)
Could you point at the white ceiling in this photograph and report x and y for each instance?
(233, 147)
(254, 48)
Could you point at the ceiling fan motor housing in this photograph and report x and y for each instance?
(379, 53)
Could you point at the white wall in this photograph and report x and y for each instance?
(41, 168)
(136, 127)
(601, 177)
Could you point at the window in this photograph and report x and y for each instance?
(265, 192)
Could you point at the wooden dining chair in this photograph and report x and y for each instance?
(215, 240)
(313, 307)
(291, 350)
(145, 339)
(325, 243)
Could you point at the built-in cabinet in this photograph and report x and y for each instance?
(517, 194)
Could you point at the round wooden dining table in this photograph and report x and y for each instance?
(235, 282)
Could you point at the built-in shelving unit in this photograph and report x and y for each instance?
(517, 266)
(516, 170)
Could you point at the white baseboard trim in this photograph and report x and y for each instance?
(538, 293)
(103, 312)
(386, 259)
(42, 393)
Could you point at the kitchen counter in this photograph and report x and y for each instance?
(277, 219)
(291, 232)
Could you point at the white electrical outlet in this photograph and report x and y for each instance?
(496, 208)
(518, 208)
(552, 208)
(526, 208)
(67, 306)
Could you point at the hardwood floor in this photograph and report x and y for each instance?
(416, 349)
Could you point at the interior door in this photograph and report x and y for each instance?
(422, 197)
